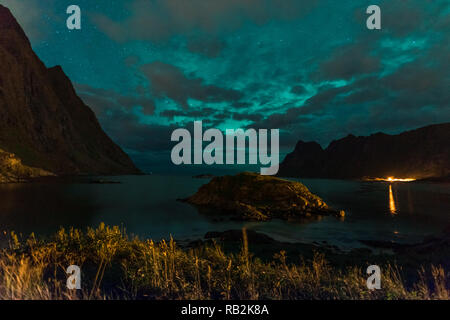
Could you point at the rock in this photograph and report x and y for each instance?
(382, 244)
(42, 120)
(250, 196)
(12, 169)
(429, 244)
(423, 153)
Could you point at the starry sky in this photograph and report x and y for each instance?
(309, 68)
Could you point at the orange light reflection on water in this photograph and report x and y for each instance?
(392, 207)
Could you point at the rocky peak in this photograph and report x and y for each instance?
(8, 22)
(42, 120)
(12, 36)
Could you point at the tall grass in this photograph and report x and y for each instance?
(115, 266)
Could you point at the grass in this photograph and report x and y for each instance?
(115, 266)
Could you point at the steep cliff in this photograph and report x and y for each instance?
(42, 120)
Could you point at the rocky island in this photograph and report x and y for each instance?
(250, 196)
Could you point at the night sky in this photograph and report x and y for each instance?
(309, 68)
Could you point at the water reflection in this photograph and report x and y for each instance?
(147, 207)
(44, 207)
(392, 207)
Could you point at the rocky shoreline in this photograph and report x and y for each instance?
(13, 171)
(433, 250)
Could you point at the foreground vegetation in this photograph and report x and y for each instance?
(115, 266)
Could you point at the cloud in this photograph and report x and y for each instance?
(123, 126)
(30, 16)
(102, 100)
(318, 103)
(350, 61)
(160, 19)
(198, 114)
(389, 88)
(412, 95)
(131, 61)
(169, 81)
(255, 117)
(207, 46)
(298, 89)
(400, 18)
(128, 132)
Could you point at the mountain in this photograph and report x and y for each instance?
(43, 123)
(421, 153)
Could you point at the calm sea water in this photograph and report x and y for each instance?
(147, 206)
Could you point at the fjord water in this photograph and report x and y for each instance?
(147, 206)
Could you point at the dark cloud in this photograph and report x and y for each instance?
(169, 81)
(401, 18)
(195, 114)
(131, 60)
(102, 100)
(350, 61)
(31, 16)
(413, 95)
(171, 113)
(378, 95)
(298, 89)
(212, 114)
(421, 83)
(208, 46)
(318, 103)
(134, 135)
(413, 78)
(124, 127)
(160, 19)
(255, 117)
(280, 120)
(242, 105)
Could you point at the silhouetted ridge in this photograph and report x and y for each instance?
(420, 153)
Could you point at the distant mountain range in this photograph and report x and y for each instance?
(43, 122)
(422, 153)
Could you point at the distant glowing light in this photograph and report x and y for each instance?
(392, 179)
